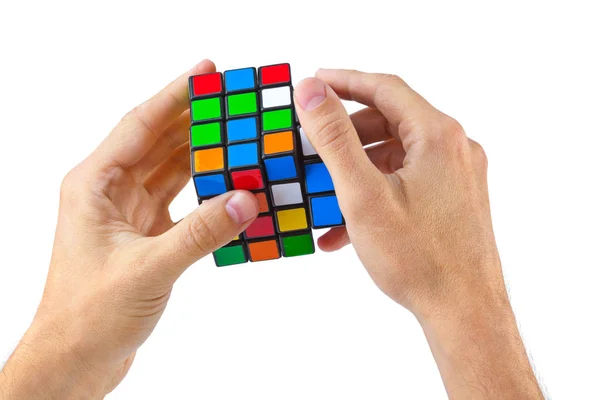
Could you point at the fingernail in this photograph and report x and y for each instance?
(310, 93)
(241, 208)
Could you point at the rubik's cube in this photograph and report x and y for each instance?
(245, 134)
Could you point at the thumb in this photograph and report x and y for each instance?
(332, 134)
(212, 225)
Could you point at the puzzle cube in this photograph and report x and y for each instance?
(245, 134)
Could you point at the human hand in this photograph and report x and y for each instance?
(117, 253)
(417, 212)
(416, 203)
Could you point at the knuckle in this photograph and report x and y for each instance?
(386, 86)
(69, 183)
(390, 79)
(452, 128)
(332, 132)
(200, 237)
(131, 115)
(139, 119)
(450, 135)
(478, 153)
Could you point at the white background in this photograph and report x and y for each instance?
(523, 79)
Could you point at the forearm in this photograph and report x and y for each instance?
(40, 368)
(479, 351)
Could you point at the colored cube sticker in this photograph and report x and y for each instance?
(318, 179)
(286, 194)
(325, 211)
(241, 155)
(209, 160)
(275, 74)
(206, 134)
(297, 245)
(292, 220)
(281, 168)
(277, 119)
(208, 84)
(281, 142)
(245, 134)
(251, 179)
(240, 79)
(240, 104)
(261, 227)
(230, 255)
(206, 109)
(264, 250)
(276, 97)
(242, 129)
(210, 185)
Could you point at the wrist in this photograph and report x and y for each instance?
(477, 345)
(45, 366)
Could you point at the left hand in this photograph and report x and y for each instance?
(117, 253)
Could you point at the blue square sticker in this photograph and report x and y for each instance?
(240, 79)
(280, 168)
(325, 211)
(210, 185)
(318, 179)
(240, 155)
(242, 129)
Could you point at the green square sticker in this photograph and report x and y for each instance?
(205, 109)
(230, 255)
(279, 119)
(239, 104)
(206, 134)
(298, 245)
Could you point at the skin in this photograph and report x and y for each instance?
(428, 244)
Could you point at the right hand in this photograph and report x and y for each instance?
(416, 205)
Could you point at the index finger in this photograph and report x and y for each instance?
(400, 104)
(140, 128)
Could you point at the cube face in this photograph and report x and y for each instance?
(245, 135)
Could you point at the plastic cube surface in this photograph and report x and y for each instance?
(245, 135)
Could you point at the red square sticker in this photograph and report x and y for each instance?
(262, 226)
(207, 84)
(273, 74)
(247, 180)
